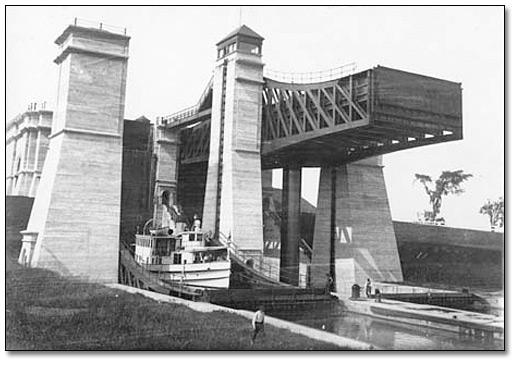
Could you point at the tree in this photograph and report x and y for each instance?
(495, 211)
(449, 182)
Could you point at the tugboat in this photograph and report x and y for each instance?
(183, 255)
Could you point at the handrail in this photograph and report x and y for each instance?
(98, 25)
(312, 76)
(189, 111)
(269, 271)
(242, 257)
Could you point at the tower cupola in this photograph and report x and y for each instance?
(243, 39)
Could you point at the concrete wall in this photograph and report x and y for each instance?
(450, 256)
(137, 181)
(412, 233)
(191, 187)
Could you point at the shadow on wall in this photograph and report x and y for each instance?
(17, 213)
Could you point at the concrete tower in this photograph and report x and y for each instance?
(354, 236)
(74, 223)
(233, 198)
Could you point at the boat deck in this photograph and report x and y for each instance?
(464, 322)
(274, 298)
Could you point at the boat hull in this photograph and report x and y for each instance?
(214, 274)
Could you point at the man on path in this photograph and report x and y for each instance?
(258, 323)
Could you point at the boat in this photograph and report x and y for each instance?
(184, 256)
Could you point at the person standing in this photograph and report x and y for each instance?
(258, 323)
(330, 282)
(197, 224)
(368, 288)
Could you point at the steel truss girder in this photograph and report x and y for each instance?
(300, 109)
(195, 143)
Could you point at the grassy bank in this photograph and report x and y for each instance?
(47, 312)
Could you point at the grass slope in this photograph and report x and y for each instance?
(47, 312)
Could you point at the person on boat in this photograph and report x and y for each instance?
(181, 221)
(258, 323)
(196, 223)
(207, 258)
(377, 295)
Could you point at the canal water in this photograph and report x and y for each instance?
(385, 334)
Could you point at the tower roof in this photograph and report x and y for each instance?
(243, 30)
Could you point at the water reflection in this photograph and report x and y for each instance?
(387, 334)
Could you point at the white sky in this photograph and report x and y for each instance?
(172, 53)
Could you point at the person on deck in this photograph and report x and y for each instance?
(368, 288)
(197, 224)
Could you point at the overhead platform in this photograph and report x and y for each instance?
(374, 112)
(371, 113)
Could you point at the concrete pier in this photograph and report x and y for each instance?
(74, 223)
(354, 236)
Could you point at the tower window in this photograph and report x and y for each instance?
(231, 48)
(249, 48)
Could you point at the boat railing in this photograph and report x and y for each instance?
(127, 251)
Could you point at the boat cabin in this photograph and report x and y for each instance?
(187, 248)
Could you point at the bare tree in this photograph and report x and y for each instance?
(449, 182)
(495, 211)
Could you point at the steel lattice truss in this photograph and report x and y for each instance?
(195, 143)
(297, 110)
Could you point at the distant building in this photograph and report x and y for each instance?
(27, 142)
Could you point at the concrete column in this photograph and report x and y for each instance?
(354, 235)
(290, 235)
(76, 213)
